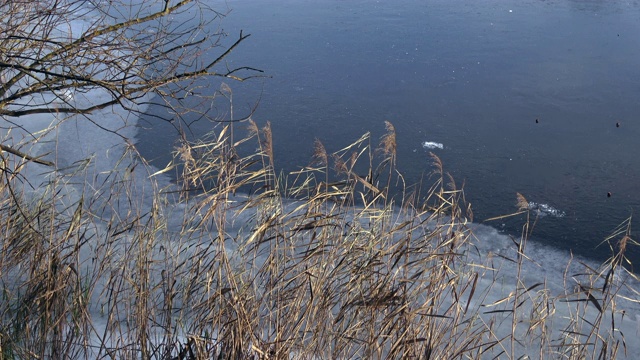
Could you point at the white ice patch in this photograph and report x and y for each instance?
(545, 209)
(66, 96)
(432, 145)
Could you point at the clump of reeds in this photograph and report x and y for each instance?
(241, 263)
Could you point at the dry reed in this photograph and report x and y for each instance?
(241, 263)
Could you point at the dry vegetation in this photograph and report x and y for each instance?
(241, 263)
(340, 260)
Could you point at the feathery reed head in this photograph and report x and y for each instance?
(437, 163)
(252, 128)
(267, 140)
(320, 156)
(522, 202)
(388, 141)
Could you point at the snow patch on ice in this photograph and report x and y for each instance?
(432, 145)
(545, 210)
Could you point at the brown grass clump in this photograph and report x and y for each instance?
(240, 263)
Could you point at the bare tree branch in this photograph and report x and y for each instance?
(46, 58)
(25, 156)
(120, 58)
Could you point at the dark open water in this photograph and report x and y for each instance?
(471, 75)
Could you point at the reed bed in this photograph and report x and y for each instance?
(340, 260)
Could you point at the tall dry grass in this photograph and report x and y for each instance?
(240, 262)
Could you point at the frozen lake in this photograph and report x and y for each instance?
(536, 97)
